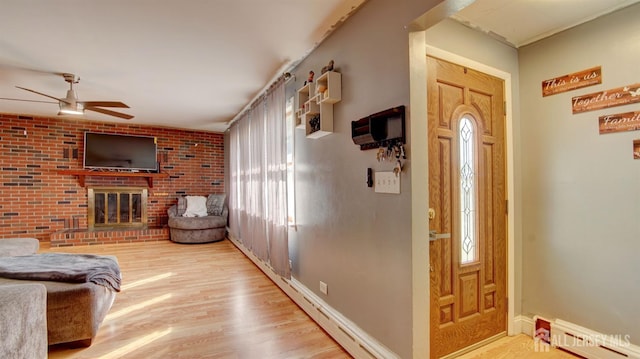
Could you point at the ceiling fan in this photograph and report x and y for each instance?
(70, 105)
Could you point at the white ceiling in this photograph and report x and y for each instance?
(187, 64)
(196, 64)
(521, 22)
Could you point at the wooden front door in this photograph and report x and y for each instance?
(467, 196)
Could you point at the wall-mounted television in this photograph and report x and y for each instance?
(119, 152)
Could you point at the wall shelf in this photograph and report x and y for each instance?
(380, 129)
(315, 104)
(81, 174)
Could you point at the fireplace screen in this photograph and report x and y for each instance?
(117, 207)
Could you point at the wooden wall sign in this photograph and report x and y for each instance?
(636, 149)
(584, 78)
(620, 122)
(605, 99)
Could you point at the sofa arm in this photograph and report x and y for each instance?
(23, 321)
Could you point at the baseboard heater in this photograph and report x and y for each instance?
(352, 338)
(582, 341)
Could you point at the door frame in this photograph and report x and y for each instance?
(420, 195)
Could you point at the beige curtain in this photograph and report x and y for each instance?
(258, 172)
(276, 185)
(235, 202)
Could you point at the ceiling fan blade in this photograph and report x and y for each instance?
(109, 112)
(16, 67)
(103, 104)
(19, 99)
(43, 94)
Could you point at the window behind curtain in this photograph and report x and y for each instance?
(291, 195)
(258, 171)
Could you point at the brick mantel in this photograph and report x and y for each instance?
(81, 174)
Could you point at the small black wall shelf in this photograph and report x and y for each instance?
(380, 129)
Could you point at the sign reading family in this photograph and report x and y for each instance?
(620, 122)
(584, 78)
(605, 99)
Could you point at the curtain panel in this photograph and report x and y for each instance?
(258, 173)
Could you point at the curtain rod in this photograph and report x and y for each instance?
(280, 74)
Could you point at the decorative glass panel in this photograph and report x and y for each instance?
(99, 207)
(468, 238)
(112, 207)
(136, 207)
(124, 207)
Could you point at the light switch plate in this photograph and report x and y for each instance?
(387, 182)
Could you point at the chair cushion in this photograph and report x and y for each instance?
(215, 204)
(10, 247)
(182, 206)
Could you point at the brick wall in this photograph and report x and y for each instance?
(35, 201)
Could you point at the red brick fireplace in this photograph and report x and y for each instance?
(41, 199)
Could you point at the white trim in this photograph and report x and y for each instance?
(448, 56)
(419, 195)
(352, 338)
(524, 325)
(591, 344)
(582, 341)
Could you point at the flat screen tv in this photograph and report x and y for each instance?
(119, 152)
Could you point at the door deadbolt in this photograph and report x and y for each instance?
(432, 214)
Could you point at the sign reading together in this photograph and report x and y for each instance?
(605, 99)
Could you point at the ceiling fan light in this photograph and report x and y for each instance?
(68, 109)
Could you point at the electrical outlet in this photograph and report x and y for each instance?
(387, 182)
(324, 289)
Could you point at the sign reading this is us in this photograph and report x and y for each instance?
(584, 78)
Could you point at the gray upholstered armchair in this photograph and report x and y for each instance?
(200, 229)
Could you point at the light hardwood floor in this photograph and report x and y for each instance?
(519, 346)
(198, 301)
(210, 301)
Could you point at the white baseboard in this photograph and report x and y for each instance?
(582, 341)
(524, 325)
(352, 338)
(591, 344)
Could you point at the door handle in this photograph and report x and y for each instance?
(433, 235)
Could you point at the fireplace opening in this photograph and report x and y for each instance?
(116, 207)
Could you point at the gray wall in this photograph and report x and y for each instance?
(581, 192)
(355, 240)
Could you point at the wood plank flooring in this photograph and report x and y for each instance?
(210, 301)
(519, 346)
(198, 301)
